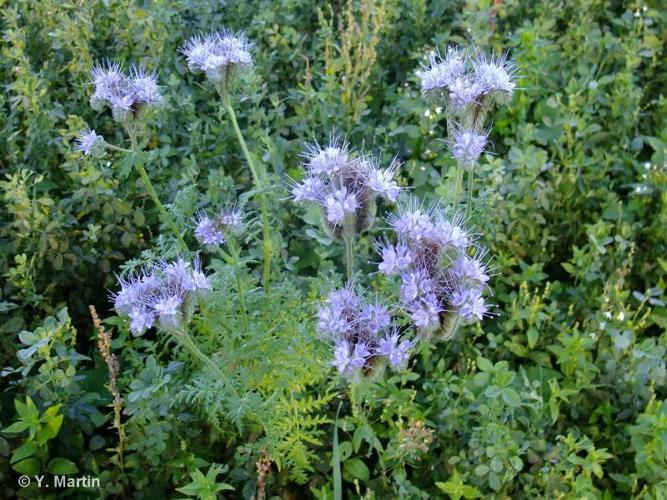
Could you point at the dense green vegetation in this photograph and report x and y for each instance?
(560, 394)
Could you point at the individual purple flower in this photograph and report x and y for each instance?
(415, 284)
(464, 91)
(412, 223)
(310, 189)
(395, 259)
(451, 234)
(467, 146)
(141, 320)
(145, 86)
(90, 143)
(440, 72)
(376, 317)
(231, 217)
(470, 304)
(207, 231)
(342, 357)
(397, 353)
(425, 313)
(339, 204)
(330, 321)
(496, 74)
(466, 270)
(382, 181)
(168, 310)
(328, 160)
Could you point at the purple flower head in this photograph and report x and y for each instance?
(467, 146)
(207, 231)
(90, 144)
(339, 204)
(376, 317)
(218, 54)
(395, 259)
(415, 284)
(310, 189)
(122, 93)
(440, 72)
(496, 74)
(469, 304)
(397, 353)
(159, 291)
(382, 181)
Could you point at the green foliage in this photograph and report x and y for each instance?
(560, 395)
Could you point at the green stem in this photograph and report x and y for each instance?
(117, 148)
(266, 232)
(348, 236)
(471, 176)
(457, 187)
(151, 191)
(184, 339)
(239, 283)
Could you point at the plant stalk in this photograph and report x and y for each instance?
(151, 191)
(239, 283)
(266, 232)
(348, 236)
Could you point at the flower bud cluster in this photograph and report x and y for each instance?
(364, 336)
(218, 55)
(210, 231)
(124, 94)
(345, 185)
(443, 274)
(164, 293)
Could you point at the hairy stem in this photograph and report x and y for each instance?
(151, 191)
(266, 232)
(348, 236)
(233, 250)
(471, 177)
(457, 187)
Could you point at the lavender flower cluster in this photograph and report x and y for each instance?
(124, 94)
(365, 339)
(442, 271)
(470, 84)
(218, 55)
(165, 293)
(345, 185)
(211, 231)
(91, 144)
